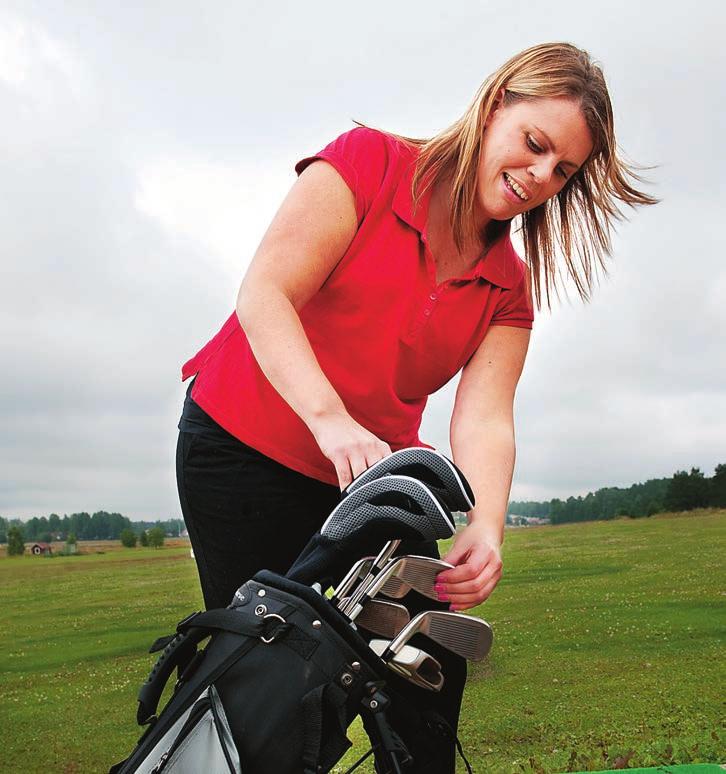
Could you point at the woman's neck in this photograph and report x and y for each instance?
(438, 223)
(450, 261)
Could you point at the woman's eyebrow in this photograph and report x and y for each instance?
(552, 145)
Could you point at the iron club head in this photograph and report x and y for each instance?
(465, 635)
(414, 664)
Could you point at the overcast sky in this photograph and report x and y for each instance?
(145, 147)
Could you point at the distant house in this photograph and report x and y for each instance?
(515, 520)
(39, 549)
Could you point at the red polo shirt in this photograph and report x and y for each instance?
(384, 333)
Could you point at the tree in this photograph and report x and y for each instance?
(54, 523)
(128, 538)
(71, 539)
(686, 491)
(16, 544)
(144, 538)
(156, 537)
(652, 508)
(717, 493)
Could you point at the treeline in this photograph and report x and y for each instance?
(684, 491)
(83, 526)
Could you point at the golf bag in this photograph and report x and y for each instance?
(273, 691)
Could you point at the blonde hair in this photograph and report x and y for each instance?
(579, 218)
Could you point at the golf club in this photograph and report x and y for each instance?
(419, 572)
(465, 635)
(414, 664)
(395, 588)
(356, 572)
(383, 618)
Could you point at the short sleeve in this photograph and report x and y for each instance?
(360, 157)
(515, 305)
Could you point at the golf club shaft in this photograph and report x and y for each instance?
(350, 578)
(378, 563)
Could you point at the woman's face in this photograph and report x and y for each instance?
(529, 151)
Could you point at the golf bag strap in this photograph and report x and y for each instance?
(391, 754)
(324, 718)
(460, 750)
(181, 648)
(443, 729)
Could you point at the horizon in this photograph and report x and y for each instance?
(179, 517)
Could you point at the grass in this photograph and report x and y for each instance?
(608, 650)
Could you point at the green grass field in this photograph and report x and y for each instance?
(608, 650)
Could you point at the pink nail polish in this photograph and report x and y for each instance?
(443, 597)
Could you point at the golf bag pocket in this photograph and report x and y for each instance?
(200, 740)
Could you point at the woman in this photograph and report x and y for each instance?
(388, 269)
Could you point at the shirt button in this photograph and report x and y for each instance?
(427, 312)
(433, 296)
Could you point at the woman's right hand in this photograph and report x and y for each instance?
(348, 445)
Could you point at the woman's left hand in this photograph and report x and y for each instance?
(478, 568)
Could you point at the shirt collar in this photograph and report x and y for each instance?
(500, 263)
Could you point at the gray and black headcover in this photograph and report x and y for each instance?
(390, 508)
(430, 467)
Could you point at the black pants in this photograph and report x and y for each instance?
(245, 512)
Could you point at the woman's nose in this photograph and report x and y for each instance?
(541, 171)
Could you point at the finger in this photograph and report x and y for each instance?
(342, 469)
(376, 453)
(470, 585)
(475, 564)
(466, 603)
(460, 574)
(476, 596)
(357, 464)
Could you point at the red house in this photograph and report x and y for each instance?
(39, 549)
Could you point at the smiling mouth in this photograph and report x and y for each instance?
(515, 187)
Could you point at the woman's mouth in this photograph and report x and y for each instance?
(513, 186)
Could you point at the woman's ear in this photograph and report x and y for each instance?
(498, 102)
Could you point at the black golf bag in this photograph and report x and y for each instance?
(273, 692)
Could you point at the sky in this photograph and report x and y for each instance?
(145, 148)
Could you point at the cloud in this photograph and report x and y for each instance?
(146, 149)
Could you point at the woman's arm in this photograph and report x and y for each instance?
(482, 442)
(307, 237)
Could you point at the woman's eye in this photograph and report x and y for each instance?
(533, 145)
(562, 173)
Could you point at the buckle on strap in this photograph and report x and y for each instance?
(277, 629)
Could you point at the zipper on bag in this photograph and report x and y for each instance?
(198, 711)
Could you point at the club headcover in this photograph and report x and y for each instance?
(435, 470)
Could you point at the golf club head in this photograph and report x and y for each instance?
(389, 499)
(393, 588)
(419, 574)
(413, 664)
(465, 635)
(383, 618)
(415, 572)
(430, 467)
